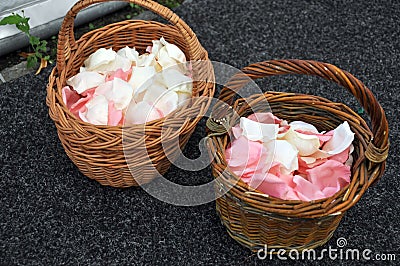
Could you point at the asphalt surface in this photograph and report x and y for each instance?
(50, 214)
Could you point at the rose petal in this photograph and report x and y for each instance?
(283, 152)
(341, 157)
(330, 191)
(306, 163)
(170, 54)
(164, 100)
(323, 137)
(265, 118)
(129, 53)
(69, 96)
(85, 80)
(274, 186)
(341, 139)
(97, 110)
(176, 80)
(245, 157)
(237, 131)
(258, 131)
(303, 126)
(99, 59)
(114, 115)
(305, 144)
(146, 60)
(157, 45)
(141, 78)
(119, 73)
(140, 113)
(120, 62)
(328, 174)
(118, 91)
(87, 96)
(305, 190)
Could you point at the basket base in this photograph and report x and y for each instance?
(257, 230)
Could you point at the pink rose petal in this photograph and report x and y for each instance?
(330, 191)
(88, 95)
(304, 166)
(114, 115)
(244, 154)
(306, 190)
(274, 186)
(237, 131)
(69, 96)
(341, 157)
(265, 118)
(323, 137)
(328, 174)
(119, 73)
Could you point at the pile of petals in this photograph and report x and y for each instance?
(290, 161)
(125, 88)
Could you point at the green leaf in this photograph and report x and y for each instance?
(20, 22)
(24, 27)
(91, 26)
(34, 40)
(31, 61)
(47, 57)
(11, 20)
(128, 16)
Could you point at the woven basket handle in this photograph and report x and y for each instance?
(66, 39)
(377, 150)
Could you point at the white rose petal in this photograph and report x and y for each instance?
(309, 160)
(166, 101)
(140, 113)
(146, 60)
(129, 53)
(173, 51)
(306, 144)
(120, 62)
(303, 126)
(157, 45)
(176, 80)
(282, 152)
(341, 139)
(85, 80)
(141, 78)
(118, 91)
(97, 110)
(255, 131)
(100, 59)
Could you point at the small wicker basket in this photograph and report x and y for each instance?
(255, 219)
(98, 151)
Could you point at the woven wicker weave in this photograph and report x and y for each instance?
(97, 150)
(255, 219)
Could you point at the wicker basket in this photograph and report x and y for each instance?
(98, 151)
(255, 219)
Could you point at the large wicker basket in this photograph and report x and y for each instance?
(255, 219)
(98, 151)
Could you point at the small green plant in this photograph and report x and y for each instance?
(170, 3)
(39, 46)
